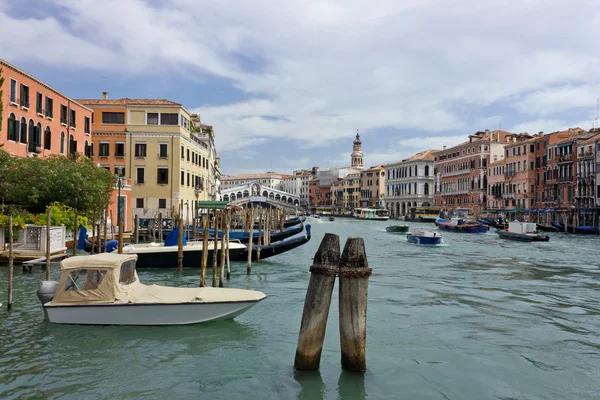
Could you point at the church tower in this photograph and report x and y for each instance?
(357, 155)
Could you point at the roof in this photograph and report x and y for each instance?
(102, 260)
(426, 155)
(128, 102)
(575, 133)
(591, 139)
(499, 162)
(9, 65)
(255, 176)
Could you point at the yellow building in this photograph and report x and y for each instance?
(171, 160)
(351, 191)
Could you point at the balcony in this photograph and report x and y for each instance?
(454, 192)
(586, 155)
(454, 173)
(568, 179)
(564, 158)
(508, 195)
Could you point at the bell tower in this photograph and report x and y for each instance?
(357, 155)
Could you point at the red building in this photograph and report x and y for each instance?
(38, 120)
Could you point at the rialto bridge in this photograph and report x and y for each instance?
(253, 192)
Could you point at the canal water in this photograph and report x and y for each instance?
(476, 318)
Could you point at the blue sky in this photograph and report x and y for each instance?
(286, 84)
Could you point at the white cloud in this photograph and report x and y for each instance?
(314, 71)
(549, 125)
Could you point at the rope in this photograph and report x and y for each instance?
(344, 273)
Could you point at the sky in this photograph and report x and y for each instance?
(286, 85)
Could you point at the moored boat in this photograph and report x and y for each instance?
(276, 248)
(546, 228)
(397, 228)
(461, 225)
(422, 236)
(523, 232)
(105, 289)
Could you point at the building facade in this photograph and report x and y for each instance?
(409, 183)
(351, 197)
(585, 191)
(38, 120)
(372, 186)
(461, 171)
(519, 175)
(495, 196)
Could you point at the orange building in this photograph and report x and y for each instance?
(38, 120)
(372, 186)
(519, 176)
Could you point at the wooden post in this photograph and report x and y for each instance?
(317, 302)
(105, 233)
(251, 224)
(98, 240)
(281, 220)
(215, 244)
(260, 235)
(227, 244)
(136, 223)
(112, 227)
(354, 283)
(204, 250)
(75, 233)
(48, 227)
(93, 230)
(10, 262)
(120, 248)
(180, 244)
(222, 264)
(195, 227)
(160, 228)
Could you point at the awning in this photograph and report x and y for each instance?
(212, 205)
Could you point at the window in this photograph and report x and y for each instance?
(188, 155)
(104, 149)
(117, 118)
(139, 203)
(188, 179)
(140, 149)
(24, 100)
(128, 269)
(163, 150)
(72, 144)
(84, 279)
(47, 138)
(86, 125)
(73, 116)
(162, 203)
(162, 176)
(13, 91)
(169, 119)
(182, 153)
(152, 118)
(139, 175)
(120, 168)
(63, 114)
(13, 128)
(62, 143)
(532, 148)
(87, 150)
(182, 178)
(49, 107)
(120, 149)
(39, 99)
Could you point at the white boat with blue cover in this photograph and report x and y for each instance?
(422, 236)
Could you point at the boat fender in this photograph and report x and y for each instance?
(46, 291)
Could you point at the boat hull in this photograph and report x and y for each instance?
(466, 228)
(397, 229)
(192, 258)
(424, 240)
(146, 313)
(522, 237)
(547, 228)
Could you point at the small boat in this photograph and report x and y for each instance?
(422, 236)
(293, 221)
(331, 218)
(244, 236)
(523, 232)
(377, 214)
(316, 216)
(105, 289)
(397, 228)
(584, 230)
(461, 225)
(547, 228)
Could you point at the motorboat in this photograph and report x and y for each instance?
(331, 218)
(377, 214)
(423, 236)
(397, 228)
(523, 232)
(105, 289)
(461, 225)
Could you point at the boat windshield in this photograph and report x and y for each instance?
(127, 273)
(85, 279)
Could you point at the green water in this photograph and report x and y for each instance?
(477, 318)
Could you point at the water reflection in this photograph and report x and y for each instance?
(311, 383)
(351, 386)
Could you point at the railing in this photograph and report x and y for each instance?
(454, 173)
(508, 195)
(453, 192)
(565, 178)
(564, 157)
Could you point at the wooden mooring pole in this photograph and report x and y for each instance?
(251, 226)
(180, 243)
(204, 250)
(48, 227)
(136, 226)
(317, 303)
(10, 262)
(215, 244)
(354, 283)
(120, 222)
(93, 231)
(75, 233)
(160, 228)
(227, 244)
(222, 261)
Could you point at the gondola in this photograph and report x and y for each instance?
(276, 248)
(547, 228)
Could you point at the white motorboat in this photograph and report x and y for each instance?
(104, 289)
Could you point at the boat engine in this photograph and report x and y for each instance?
(46, 291)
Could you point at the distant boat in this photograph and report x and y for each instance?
(461, 225)
(331, 218)
(377, 214)
(397, 228)
(425, 237)
(522, 232)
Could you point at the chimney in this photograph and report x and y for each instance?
(104, 95)
(444, 148)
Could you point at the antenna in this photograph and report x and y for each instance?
(597, 108)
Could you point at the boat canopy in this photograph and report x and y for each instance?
(109, 278)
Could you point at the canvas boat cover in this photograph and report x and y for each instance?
(110, 278)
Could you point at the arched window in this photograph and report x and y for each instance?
(31, 137)
(86, 149)
(427, 170)
(38, 135)
(62, 143)
(47, 138)
(13, 130)
(426, 187)
(23, 130)
(72, 144)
